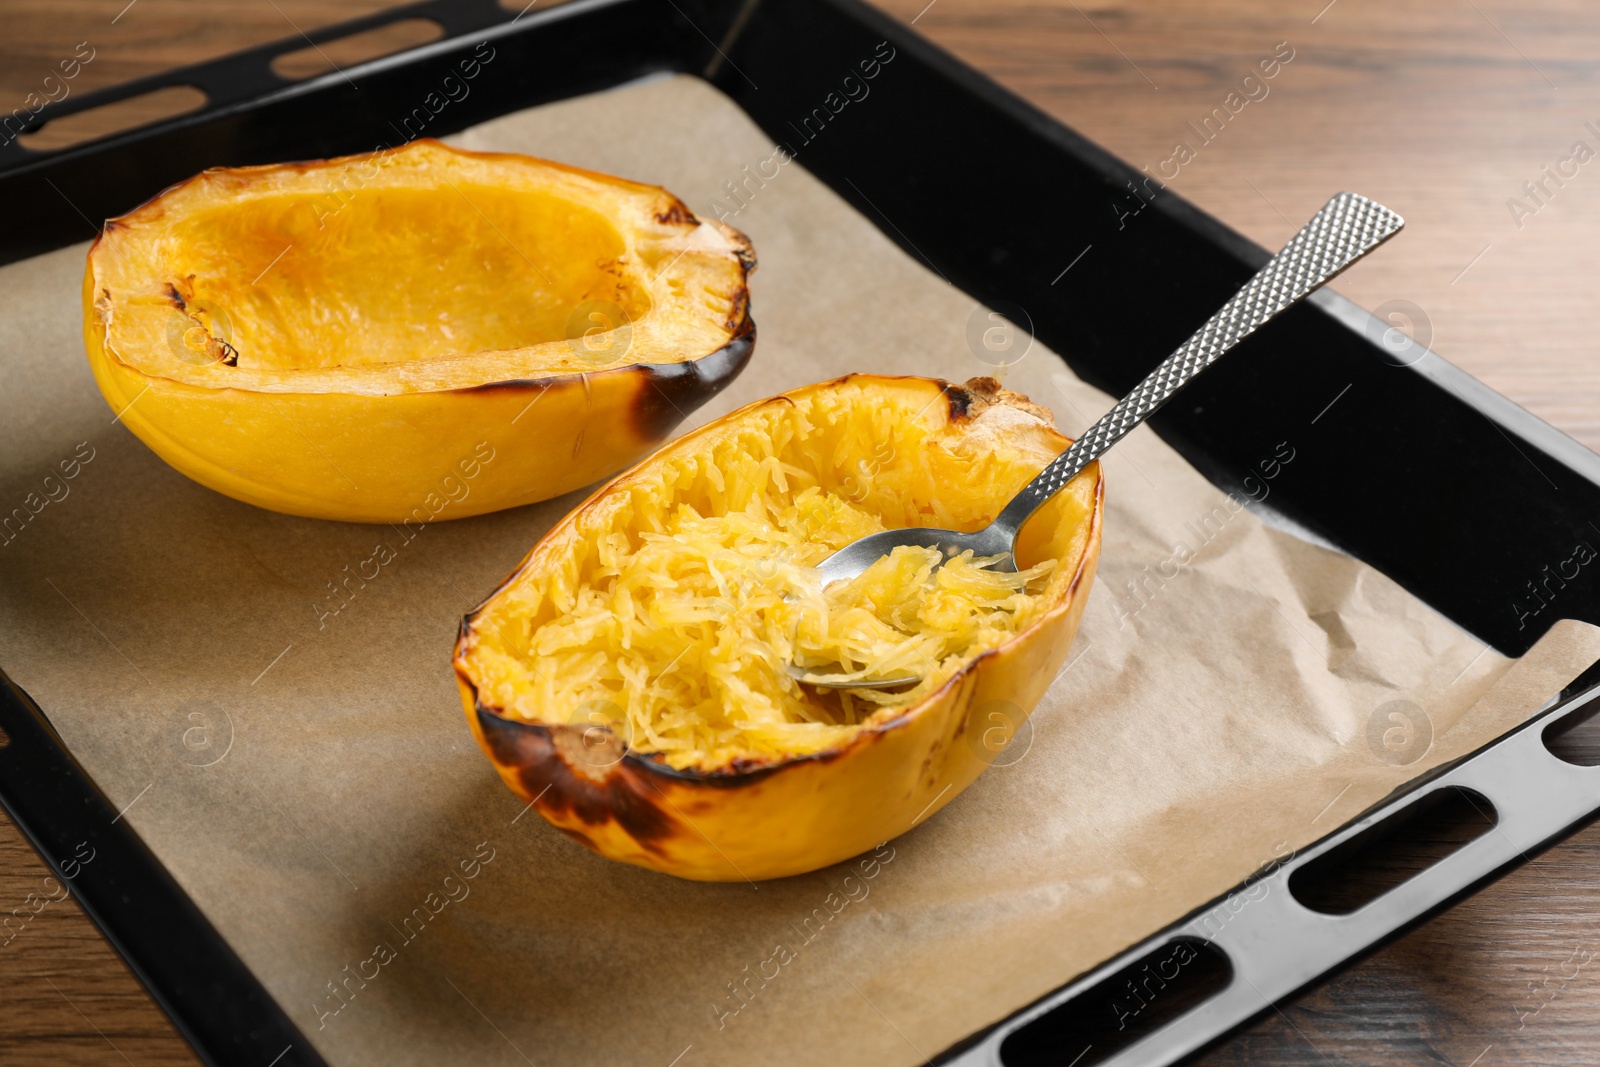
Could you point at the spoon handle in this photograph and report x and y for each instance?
(1347, 228)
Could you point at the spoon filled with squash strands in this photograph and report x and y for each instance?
(912, 570)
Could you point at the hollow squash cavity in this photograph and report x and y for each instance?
(399, 274)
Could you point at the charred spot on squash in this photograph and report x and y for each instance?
(677, 214)
(670, 392)
(564, 793)
(971, 399)
(513, 744)
(960, 402)
(593, 794)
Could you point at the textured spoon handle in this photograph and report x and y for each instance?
(1347, 228)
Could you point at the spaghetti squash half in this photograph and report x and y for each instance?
(630, 679)
(348, 338)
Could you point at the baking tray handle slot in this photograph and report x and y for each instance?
(1122, 1008)
(1392, 851)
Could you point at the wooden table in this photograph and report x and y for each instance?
(1442, 110)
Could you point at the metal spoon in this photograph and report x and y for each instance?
(1347, 228)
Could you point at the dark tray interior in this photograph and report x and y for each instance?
(987, 191)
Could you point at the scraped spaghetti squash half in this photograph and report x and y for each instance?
(644, 643)
(414, 334)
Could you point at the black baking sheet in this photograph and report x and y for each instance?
(945, 169)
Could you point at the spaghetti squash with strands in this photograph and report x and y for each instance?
(680, 641)
(674, 627)
(630, 680)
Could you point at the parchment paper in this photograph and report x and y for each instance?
(310, 780)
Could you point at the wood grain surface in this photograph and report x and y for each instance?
(1442, 109)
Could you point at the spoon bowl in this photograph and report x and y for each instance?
(857, 556)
